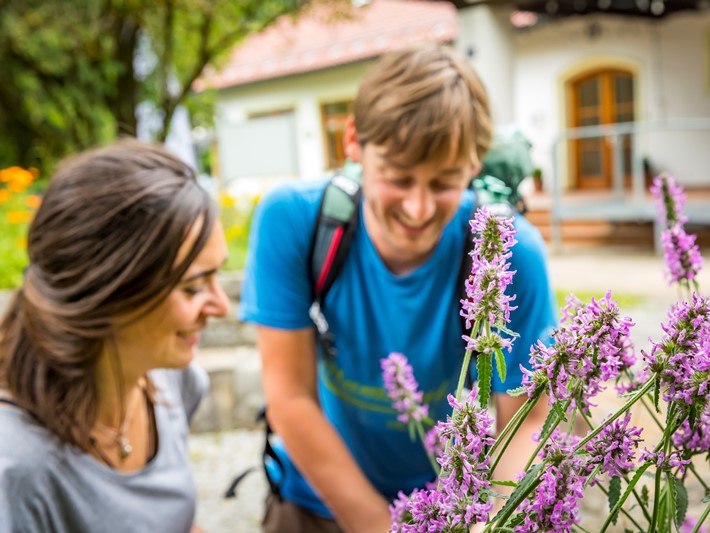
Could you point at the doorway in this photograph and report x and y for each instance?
(603, 96)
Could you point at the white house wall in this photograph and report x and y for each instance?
(671, 64)
(486, 38)
(304, 94)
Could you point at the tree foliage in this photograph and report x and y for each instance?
(76, 70)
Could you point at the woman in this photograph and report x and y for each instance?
(95, 350)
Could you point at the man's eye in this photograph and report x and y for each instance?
(443, 186)
(400, 182)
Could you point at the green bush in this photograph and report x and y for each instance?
(236, 215)
(17, 206)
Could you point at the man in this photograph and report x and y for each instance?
(421, 126)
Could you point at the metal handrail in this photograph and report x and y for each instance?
(616, 132)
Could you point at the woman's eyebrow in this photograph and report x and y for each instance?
(204, 273)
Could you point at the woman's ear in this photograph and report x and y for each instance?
(351, 143)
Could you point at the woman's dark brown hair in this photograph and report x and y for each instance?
(103, 243)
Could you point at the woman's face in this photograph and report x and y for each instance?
(167, 336)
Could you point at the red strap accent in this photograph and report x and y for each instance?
(332, 250)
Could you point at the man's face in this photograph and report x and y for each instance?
(406, 208)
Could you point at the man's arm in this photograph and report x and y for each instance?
(522, 445)
(290, 384)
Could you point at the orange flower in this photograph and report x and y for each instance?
(4, 196)
(17, 178)
(19, 217)
(33, 201)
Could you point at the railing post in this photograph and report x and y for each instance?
(618, 166)
(637, 185)
(555, 228)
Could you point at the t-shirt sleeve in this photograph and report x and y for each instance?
(22, 510)
(535, 316)
(194, 384)
(276, 290)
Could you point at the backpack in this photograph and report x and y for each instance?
(335, 228)
(333, 234)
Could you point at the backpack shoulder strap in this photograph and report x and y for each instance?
(332, 236)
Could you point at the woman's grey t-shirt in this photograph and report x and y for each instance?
(49, 486)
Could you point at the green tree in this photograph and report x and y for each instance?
(70, 71)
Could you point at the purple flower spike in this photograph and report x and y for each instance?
(697, 440)
(682, 357)
(554, 505)
(461, 498)
(670, 200)
(688, 525)
(682, 255)
(486, 301)
(673, 460)
(402, 388)
(614, 448)
(592, 348)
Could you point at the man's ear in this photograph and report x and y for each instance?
(353, 149)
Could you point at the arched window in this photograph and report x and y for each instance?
(600, 97)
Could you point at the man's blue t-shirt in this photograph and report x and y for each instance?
(372, 313)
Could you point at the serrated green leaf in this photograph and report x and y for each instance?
(681, 500)
(517, 519)
(706, 499)
(560, 411)
(485, 374)
(663, 509)
(504, 483)
(625, 495)
(500, 365)
(692, 415)
(644, 495)
(550, 422)
(518, 495)
(519, 391)
(656, 393)
(614, 495)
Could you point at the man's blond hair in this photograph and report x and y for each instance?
(423, 103)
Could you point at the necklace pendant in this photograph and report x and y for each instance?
(124, 447)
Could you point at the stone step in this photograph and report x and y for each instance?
(236, 395)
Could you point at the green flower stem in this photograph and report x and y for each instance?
(502, 517)
(702, 518)
(656, 498)
(637, 497)
(517, 421)
(624, 511)
(522, 412)
(633, 490)
(624, 496)
(543, 438)
(691, 466)
(636, 397)
(422, 437)
(577, 526)
(464, 371)
(475, 330)
(462, 376)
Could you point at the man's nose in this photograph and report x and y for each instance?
(419, 205)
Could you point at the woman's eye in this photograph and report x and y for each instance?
(192, 290)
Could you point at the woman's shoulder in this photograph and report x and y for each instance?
(25, 447)
(185, 386)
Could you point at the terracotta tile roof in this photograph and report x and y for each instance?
(318, 40)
